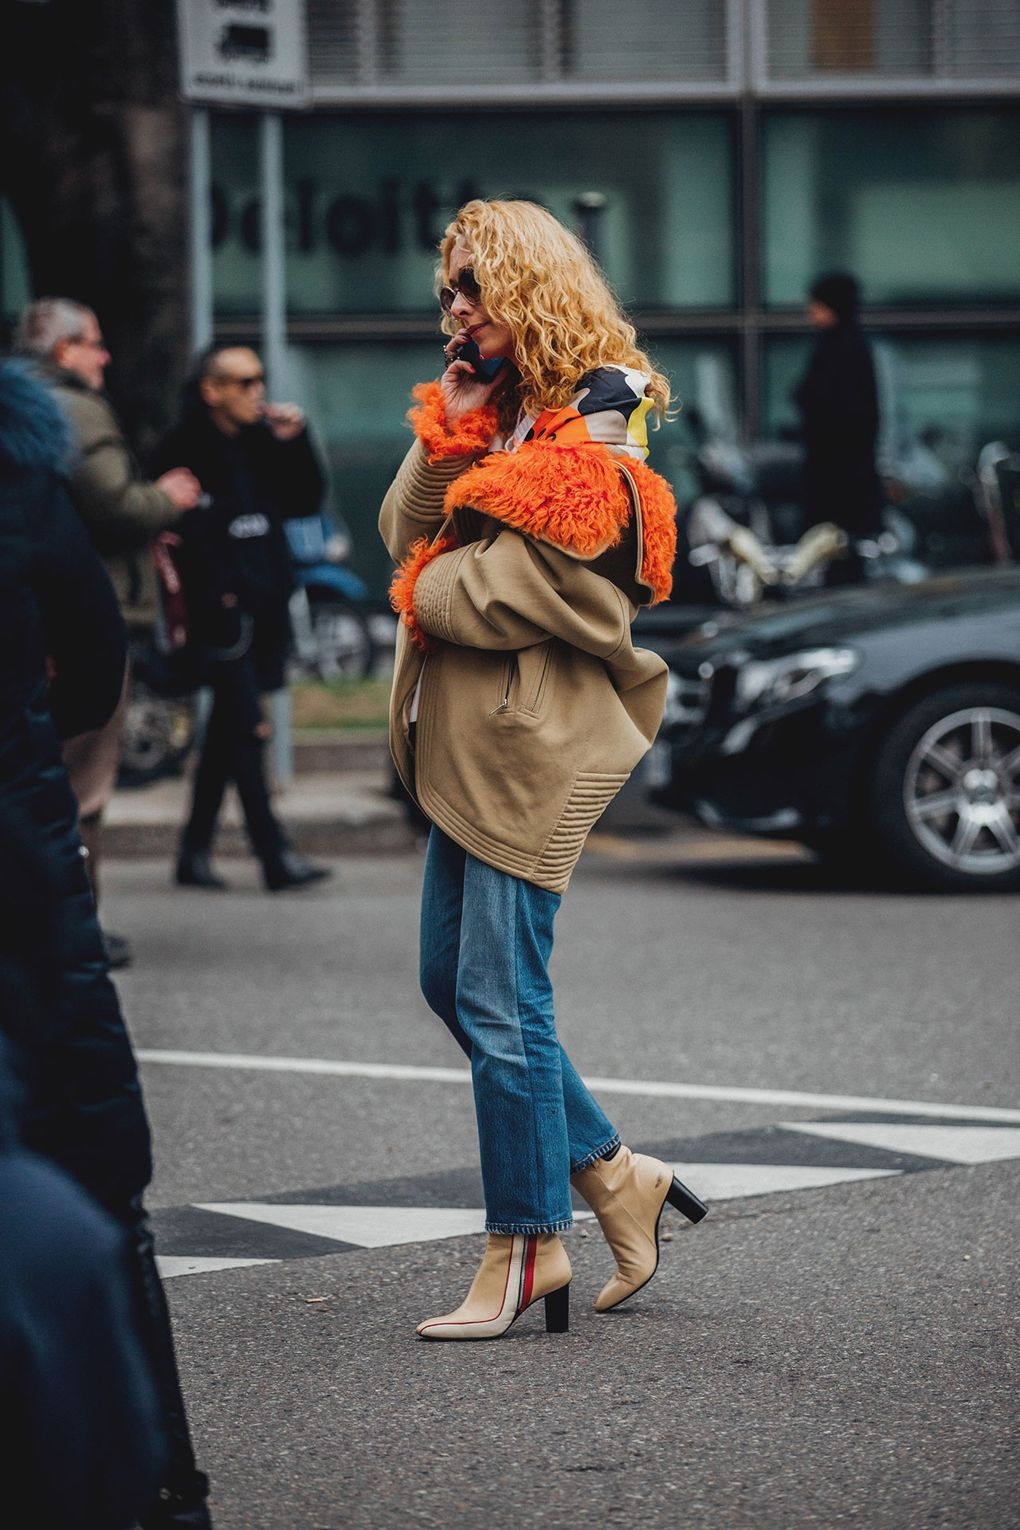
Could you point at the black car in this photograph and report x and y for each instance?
(879, 724)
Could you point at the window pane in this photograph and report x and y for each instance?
(646, 40)
(15, 278)
(368, 197)
(819, 37)
(425, 44)
(984, 39)
(922, 206)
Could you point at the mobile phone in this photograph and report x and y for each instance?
(486, 370)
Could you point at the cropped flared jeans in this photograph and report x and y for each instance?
(486, 939)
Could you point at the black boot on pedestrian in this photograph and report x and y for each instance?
(287, 868)
(194, 870)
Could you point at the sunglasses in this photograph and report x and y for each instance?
(465, 286)
(246, 383)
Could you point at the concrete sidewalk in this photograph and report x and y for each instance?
(338, 803)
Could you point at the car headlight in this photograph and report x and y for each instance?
(774, 682)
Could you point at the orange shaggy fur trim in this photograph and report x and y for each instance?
(404, 580)
(472, 433)
(658, 531)
(571, 496)
(575, 498)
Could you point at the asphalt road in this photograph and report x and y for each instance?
(835, 1345)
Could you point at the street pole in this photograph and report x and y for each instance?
(274, 358)
(200, 228)
(274, 282)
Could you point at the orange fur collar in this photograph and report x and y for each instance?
(574, 497)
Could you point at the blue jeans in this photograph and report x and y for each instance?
(486, 938)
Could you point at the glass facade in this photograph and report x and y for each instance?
(368, 197)
(923, 206)
(922, 203)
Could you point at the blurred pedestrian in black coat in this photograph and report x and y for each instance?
(257, 468)
(59, 619)
(838, 402)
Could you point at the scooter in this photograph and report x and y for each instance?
(330, 606)
(743, 538)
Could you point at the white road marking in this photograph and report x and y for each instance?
(733, 1181)
(402, 1072)
(368, 1226)
(954, 1144)
(170, 1265)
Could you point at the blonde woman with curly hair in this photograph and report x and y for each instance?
(529, 531)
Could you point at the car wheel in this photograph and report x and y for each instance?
(946, 789)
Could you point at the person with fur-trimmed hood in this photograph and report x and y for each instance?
(529, 531)
(62, 652)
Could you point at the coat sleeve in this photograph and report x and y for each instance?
(413, 506)
(510, 592)
(121, 511)
(82, 624)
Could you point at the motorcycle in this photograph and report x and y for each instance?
(330, 607)
(744, 538)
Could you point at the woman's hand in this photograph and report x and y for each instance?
(463, 389)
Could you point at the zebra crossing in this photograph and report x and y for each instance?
(206, 1237)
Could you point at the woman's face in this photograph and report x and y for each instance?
(491, 338)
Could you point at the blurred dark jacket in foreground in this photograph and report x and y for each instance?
(83, 1102)
(83, 1442)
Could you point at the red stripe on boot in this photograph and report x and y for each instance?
(530, 1253)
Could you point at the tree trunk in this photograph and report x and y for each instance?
(93, 167)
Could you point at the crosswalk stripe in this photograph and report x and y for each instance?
(734, 1181)
(170, 1265)
(735, 1166)
(367, 1226)
(952, 1144)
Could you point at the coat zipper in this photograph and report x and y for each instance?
(508, 679)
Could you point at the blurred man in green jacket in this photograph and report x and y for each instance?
(122, 514)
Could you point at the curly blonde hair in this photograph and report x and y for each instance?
(539, 280)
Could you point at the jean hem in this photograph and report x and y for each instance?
(528, 1229)
(600, 1152)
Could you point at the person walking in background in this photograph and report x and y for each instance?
(528, 531)
(838, 402)
(62, 655)
(257, 467)
(122, 514)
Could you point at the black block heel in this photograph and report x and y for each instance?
(686, 1201)
(557, 1310)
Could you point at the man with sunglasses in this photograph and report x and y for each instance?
(257, 468)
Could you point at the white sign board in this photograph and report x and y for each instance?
(243, 52)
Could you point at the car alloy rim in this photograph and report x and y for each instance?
(962, 791)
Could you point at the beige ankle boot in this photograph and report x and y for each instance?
(515, 1271)
(627, 1193)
